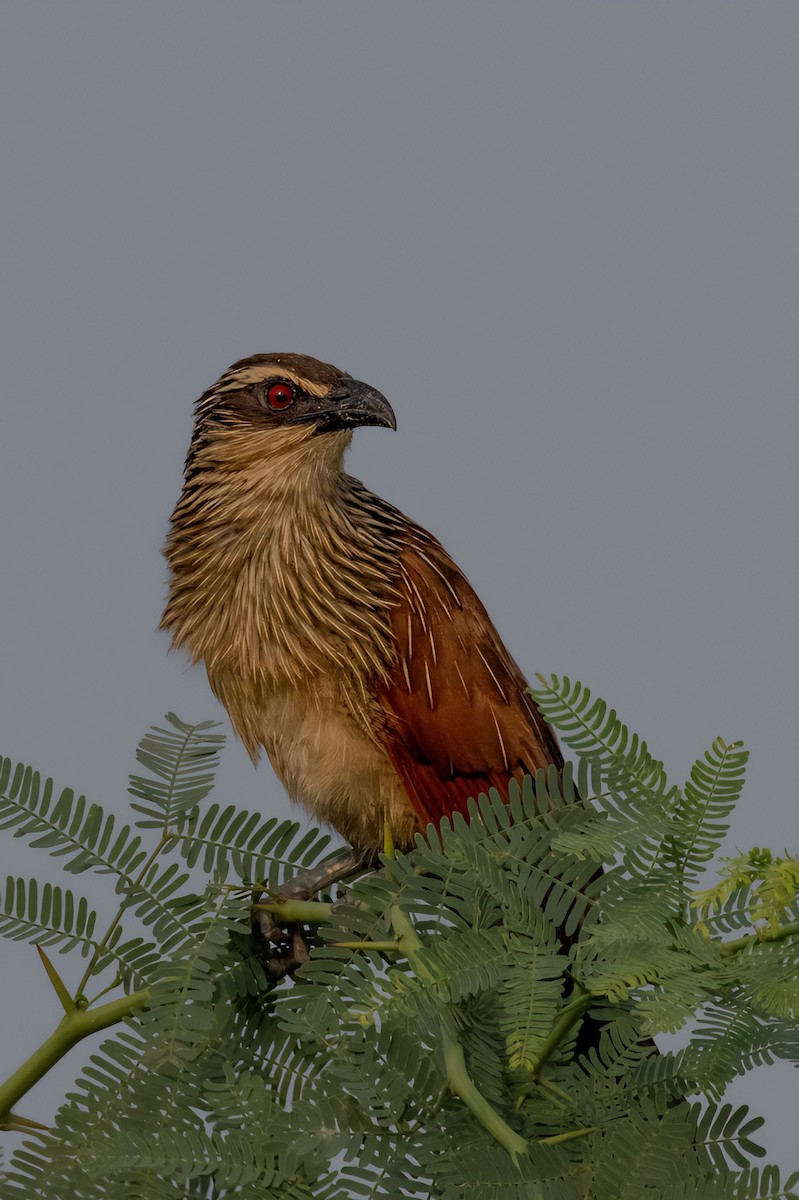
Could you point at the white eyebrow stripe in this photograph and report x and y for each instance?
(233, 380)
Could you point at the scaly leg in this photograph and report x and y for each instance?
(303, 886)
(307, 883)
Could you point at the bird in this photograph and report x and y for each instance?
(340, 636)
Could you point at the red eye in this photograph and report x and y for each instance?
(279, 396)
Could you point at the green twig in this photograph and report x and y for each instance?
(382, 947)
(556, 1094)
(409, 942)
(790, 929)
(388, 840)
(556, 1138)
(73, 1027)
(458, 1078)
(569, 1016)
(115, 982)
(296, 912)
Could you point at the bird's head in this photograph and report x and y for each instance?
(275, 391)
(282, 412)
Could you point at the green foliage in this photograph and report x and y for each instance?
(81, 834)
(54, 918)
(475, 1019)
(759, 885)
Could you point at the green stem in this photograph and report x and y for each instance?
(557, 1138)
(296, 912)
(458, 1078)
(72, 1028)
(557, 1094)
(382, 947)
(461, 1085)
(110, 987)
(791, 929)
(409, 942)
(568, 1017)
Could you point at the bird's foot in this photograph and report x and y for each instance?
(291, 947)
(287, 950)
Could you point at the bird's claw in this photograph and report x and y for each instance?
(288, 947)
(268, 928)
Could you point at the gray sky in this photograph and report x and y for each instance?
(560, 237)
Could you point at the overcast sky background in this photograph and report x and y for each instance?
(560, 237)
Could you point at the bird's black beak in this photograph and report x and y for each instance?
(351, 404)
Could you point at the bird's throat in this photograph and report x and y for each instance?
(277, 577)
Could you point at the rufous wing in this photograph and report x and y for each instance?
(458, 718)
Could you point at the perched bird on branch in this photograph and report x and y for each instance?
(339, 635)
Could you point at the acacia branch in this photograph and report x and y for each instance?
(72, 1028)
(569, 1016)
(459, 1081)
(790, 929)
(295, 912)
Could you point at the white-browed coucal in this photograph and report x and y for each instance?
(339, 635)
